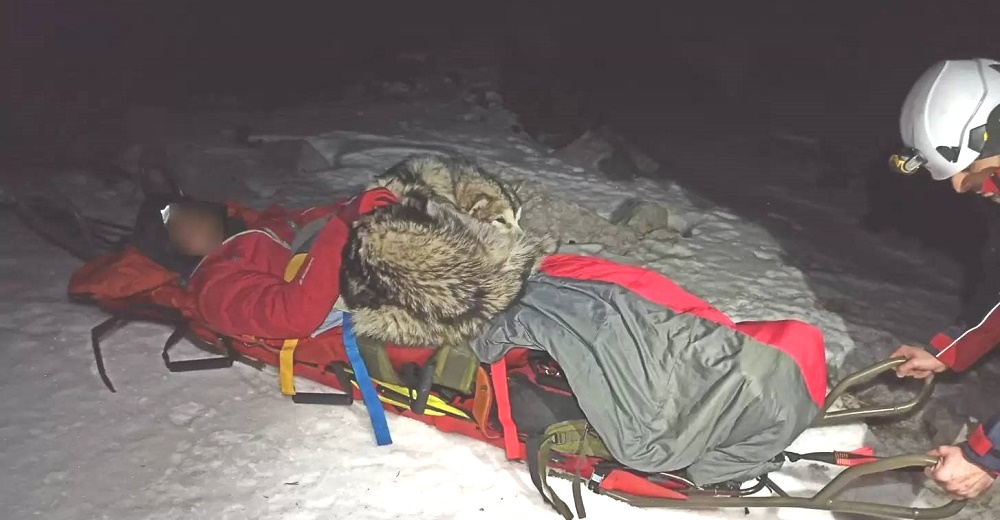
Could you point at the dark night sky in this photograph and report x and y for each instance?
(225, 41)
(851, 60)
(841, 68)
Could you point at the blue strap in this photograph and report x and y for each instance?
(365, 385)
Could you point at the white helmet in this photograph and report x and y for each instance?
(944, 117)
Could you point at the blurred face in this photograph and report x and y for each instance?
(979, 178)
(195, 231)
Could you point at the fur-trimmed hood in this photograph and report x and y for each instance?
(430, 276)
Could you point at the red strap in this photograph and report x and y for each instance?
(498, 374)
(979, 443)
(863, 455)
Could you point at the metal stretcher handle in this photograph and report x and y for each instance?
(827, 418)
(825, 499)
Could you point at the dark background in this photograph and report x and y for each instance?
(832, 70)
(846, 55)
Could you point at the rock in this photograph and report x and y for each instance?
(128, 160)
(602, 149)
(618, 166)
(393, 89)
(472, 117)
(643, 162)
(636, 159)
(586, 152)
(298, 155)
(470, 97)
(944, 426)
(493, 98)
(544, 214)
(662, 235)
(642, 216)
(147, 166)
(552, 115)
(834, 305)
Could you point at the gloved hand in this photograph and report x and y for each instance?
(365, 203)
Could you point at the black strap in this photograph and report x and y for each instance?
(537, 451)
(98, 333)
(423, 388)
(330, 398)
(192, 365)
(826, 457)
(577, 478)
(532, 445)
(339, 371)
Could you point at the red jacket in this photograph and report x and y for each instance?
(976, 331)
(240, 290)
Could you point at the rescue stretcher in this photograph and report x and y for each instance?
(559, 451)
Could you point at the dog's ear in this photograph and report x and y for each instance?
(480, 202)
(521, 191)
(517, 187)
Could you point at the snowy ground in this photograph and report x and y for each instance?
(226, 445)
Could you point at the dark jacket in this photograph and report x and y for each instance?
(975, 332)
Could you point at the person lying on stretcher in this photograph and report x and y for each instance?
(230, 260)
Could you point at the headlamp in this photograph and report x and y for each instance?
(907, 161)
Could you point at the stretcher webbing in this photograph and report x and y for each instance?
(286, 359)
(365, 385)
(498, 373)
(286, 371)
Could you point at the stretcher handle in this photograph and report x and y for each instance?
(864, 376)
(825, 500)
(827, 497)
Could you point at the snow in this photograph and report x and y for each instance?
(225, 444)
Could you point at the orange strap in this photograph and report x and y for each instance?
(482, 404)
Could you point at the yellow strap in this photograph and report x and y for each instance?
(293, 266)
(286, 360)
(440, 407)
(286, 370)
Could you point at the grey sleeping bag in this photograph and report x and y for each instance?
(664, 390)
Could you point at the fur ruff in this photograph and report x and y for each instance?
(455, 180)
(431, 276)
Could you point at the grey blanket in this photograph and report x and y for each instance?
(665, 391)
